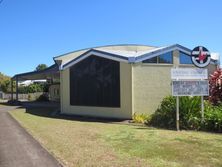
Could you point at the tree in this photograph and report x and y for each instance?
(41, 67)
(216, 87)
(6, 86)
(5, 83)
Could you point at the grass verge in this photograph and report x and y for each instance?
(82, 143)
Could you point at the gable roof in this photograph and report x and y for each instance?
(65, 58)
(162, 50)
(124, 55)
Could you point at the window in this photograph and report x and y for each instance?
(185, 58)
(152, 60)
(166, 58)
(95, 81)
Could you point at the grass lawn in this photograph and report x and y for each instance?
(81, 143)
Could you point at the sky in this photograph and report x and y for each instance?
(32, 32)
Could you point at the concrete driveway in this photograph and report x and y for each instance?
(18, 148)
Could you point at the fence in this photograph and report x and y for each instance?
(29, 96)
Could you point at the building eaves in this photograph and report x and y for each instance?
(127, 56)
(94, 51)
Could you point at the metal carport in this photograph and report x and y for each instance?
(51, 72)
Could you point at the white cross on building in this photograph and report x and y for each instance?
(201, 55)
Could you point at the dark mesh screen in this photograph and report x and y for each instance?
(95, 81)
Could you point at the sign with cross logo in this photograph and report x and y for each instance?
(192, 82)
(200, 56)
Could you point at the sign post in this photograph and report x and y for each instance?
(192, 81)
(202, 109)
(177, 114)
(189, 82)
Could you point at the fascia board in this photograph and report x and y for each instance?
(96, 53)
(160, 52)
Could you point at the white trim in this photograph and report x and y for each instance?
(96, 54)
(162, 52)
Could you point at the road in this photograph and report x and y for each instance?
(18, 148)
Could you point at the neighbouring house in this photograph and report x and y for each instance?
(114, 81)
(29, 82)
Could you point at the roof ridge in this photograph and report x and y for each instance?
(101, 47)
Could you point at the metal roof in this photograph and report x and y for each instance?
(132, 55)
(65, 58)
(52, 71)
(129, 53)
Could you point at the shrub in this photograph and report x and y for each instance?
(141, 118)
(190, 115)
(43, 97)
(165, 115)
(216, 87)
(32, 88)
(212, 118)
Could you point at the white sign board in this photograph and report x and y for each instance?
(190, 88)
(189, 73)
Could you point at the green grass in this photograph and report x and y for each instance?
(79, 143)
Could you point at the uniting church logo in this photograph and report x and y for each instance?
(200, 56)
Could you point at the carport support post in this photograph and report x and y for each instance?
(11, 89)
(177, 114)
(16, 88)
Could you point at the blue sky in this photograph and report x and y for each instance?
(34, 31)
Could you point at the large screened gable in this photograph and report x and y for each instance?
(95, 81)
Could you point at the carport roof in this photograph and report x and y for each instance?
(52, 71)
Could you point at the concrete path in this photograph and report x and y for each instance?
(18, 148)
